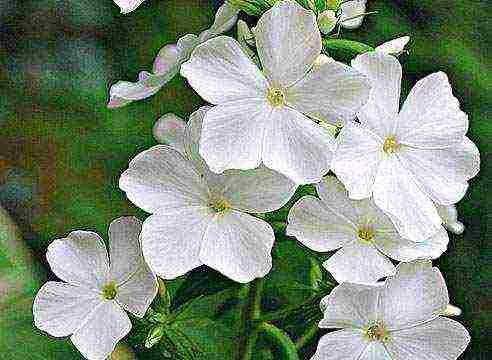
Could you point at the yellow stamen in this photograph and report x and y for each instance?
(391, 145)
(365, 234)
(109, 291)
(220, 205)
(275, 97)
(376, 332)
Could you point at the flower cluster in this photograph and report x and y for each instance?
(283, 113)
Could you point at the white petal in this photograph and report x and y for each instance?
(169, 129)
(288, 42)
(171, 242)
(232, 135)
(331, 91)
(341, 345)
(359, 262)
(375, 350)
(384, 71)
(389, 242)
(127, 6)
(297, 147)
(137, 285)
(431, 117)
(415, 294)
(192, 136)
(352, 9)
(239, 246)
(170, 57)
(124, 92)
(356, 160)
(60, 309)
(397, 194)
(225, 18)
(242, 189)
(317, 226)
(449, 216)
(80, 259)
(438, 339)
(98, 337)
(393, 47)
(220, 71)
(351, 305)
(161, 179)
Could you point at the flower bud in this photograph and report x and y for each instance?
(327, 21)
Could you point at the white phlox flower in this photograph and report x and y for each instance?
(397, 320)
(199, 217)
(411, 159)
(261, 115)
(394, 47)
(127, 6)
(168, 61)
(364, 235)
(89, 306)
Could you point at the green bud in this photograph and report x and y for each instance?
(333, 4)
(165, 298)
(327, 21)
(154, 336)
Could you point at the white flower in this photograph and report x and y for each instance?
(199, 217)
(261, 115)
(352, 13)
(409, 159)
(168, 61)
(363, 233)
(395, 320)
(449, 216)
(127, 6)
(394, 47)
(89, 306)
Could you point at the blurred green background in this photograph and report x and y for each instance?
(62, 151)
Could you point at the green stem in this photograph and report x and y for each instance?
(307, 337)
(250, 315)
(279, 340)
(347, 45)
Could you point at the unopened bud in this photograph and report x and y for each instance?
(327, 21)
(451, 310)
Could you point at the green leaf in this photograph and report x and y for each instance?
(154, 336)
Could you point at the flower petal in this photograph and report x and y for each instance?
(359, 262)
(232, 135)
(169, 129)
(127, 6)
(375, 350)
(356, 160)
(332, 91)
(317, 226)
(341, 345)
(415, 294)
(297, 147)
(80, 259)
(137, 285)
(431, 117)
(98, 337)
(288, 42)
(393, 47)
(192, 136)
(384, 72)
(161, 179)
(351, 305)
(171, 242)
(225, 18)
(397, 194)
(449, 216)
(239, 246)
(438, 339)
(352, 9)
(220, 71)
(60, 309)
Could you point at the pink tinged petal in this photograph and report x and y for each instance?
(104, 328)
(137, 285)
(220, 71)
(384, 73)
(124, 92)
(351, 305)
(169, 129)
(171, 242)
(127, 6)
(332, 91)
(317, 226)
(238, 246)
(399, 195)
(431, 117)
(352, 9)
(170, 57)
(416, 293)
(359, 262)
(161, 179)
(288, 42)
(60, 309)
(357, 158)
(438, 339)
(341, 345)
(80, 259)
(232, 135)
(297, 147)
(240, 188)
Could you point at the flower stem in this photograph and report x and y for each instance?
(280, 341)
(348, 45)
(307, 337)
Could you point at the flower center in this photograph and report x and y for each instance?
(220, 205)
(365, 234)
(275, 97)
(109, 291)
(390, 145)
(376, 332)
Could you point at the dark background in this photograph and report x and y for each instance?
(62, 151)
